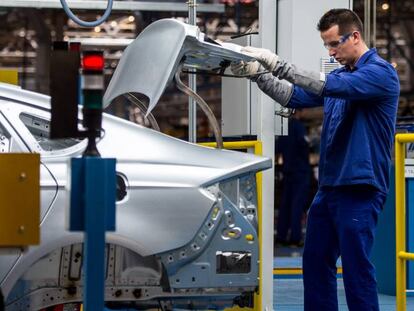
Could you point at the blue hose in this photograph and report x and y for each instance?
(83, 23)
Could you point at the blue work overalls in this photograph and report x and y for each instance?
(360, 108)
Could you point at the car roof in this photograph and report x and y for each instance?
(16, 93)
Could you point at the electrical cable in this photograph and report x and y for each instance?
(85, 23)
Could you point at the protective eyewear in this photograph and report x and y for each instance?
(337, 44)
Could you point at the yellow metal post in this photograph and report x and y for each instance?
(258, 298)
(400, 221)
(400, 224)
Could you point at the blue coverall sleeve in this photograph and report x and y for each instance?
(304, 99)
(368, 82)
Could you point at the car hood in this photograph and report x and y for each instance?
(149, 63)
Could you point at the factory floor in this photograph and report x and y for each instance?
(288, 296)
(288, 288)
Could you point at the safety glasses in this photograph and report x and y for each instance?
(337, 44)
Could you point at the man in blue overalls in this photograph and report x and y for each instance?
(360, 104)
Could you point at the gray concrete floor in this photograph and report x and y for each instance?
(288, 292)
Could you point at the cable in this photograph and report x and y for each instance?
(84, 23)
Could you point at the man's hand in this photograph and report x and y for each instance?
(285, 70)
(245, 69)
(268, 59)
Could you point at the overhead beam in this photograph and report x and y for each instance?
(117, 5)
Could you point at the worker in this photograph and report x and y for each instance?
(296, 170)
(360, 103)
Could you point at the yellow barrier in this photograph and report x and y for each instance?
(295, 271)
(400, 218)
(258, 150)
(10, 76)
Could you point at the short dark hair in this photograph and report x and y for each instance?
(346, 20)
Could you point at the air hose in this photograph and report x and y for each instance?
(203, 105)
(141, 106)
(84, 23)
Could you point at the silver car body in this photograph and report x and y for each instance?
(186, 230)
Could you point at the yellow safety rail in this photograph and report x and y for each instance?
(258, 150)
(400, 221)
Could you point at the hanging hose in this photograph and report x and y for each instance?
(143, 108)
(203, 105)
(84, 23)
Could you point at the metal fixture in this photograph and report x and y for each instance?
(192, 80)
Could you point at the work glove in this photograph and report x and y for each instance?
(267, 58)
(246, 69)
(308, 80)
(279, 90)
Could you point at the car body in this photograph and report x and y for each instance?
(150, 62)
(186, 227)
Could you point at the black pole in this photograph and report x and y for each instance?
(389, 34)
(1, 301)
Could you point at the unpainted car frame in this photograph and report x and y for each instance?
(186, 215)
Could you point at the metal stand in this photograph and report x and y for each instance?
(192, 81)
(92, 210)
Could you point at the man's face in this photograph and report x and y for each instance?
(341, 47)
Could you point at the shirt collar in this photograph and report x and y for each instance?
(364, 58)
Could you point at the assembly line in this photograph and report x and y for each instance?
(290, 189)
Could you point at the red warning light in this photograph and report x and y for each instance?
(94, 62)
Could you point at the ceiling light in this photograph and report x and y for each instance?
(385, 6)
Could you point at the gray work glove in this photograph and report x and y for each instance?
(266, 57)
(246, 69)
(279, 90)
(311, 81)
